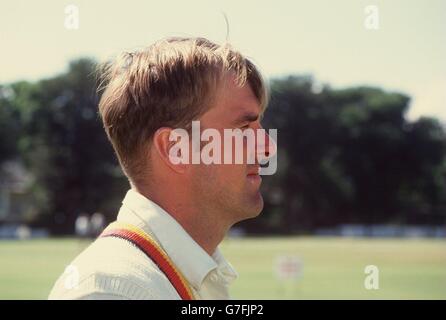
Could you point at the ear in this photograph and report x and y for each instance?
(172, 146)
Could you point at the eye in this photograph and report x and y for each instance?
(245, 126)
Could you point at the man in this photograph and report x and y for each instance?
(164, 243)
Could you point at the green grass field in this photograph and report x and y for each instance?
(333, 268)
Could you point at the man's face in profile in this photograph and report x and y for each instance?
(231, 188)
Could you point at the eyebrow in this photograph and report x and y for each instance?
(247, 117)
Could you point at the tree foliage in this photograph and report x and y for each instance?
(345, 155)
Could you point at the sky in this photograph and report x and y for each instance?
(326, 39)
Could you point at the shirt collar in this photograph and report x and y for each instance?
(185, 253)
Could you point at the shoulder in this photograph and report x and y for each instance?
(112, 268)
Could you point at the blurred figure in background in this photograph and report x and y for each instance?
(82, 225)
(97, 224)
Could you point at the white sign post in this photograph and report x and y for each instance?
(288, 269)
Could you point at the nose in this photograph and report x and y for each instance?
(266, 145)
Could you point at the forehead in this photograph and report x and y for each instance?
(233, 100)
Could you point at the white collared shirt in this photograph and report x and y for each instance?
(112, 268)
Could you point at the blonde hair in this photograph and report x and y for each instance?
(168, 84)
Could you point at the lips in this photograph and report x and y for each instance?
(254, 171)
(254, 179)
(253, 176)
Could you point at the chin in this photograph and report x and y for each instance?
(255, 207)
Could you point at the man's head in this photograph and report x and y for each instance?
(149, 93)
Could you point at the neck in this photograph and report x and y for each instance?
(199, 222)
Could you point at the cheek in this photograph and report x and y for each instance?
(223, 176)
(232, 174)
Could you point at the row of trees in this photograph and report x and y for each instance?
(54, 129)
(351, 156)
(345, 156)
